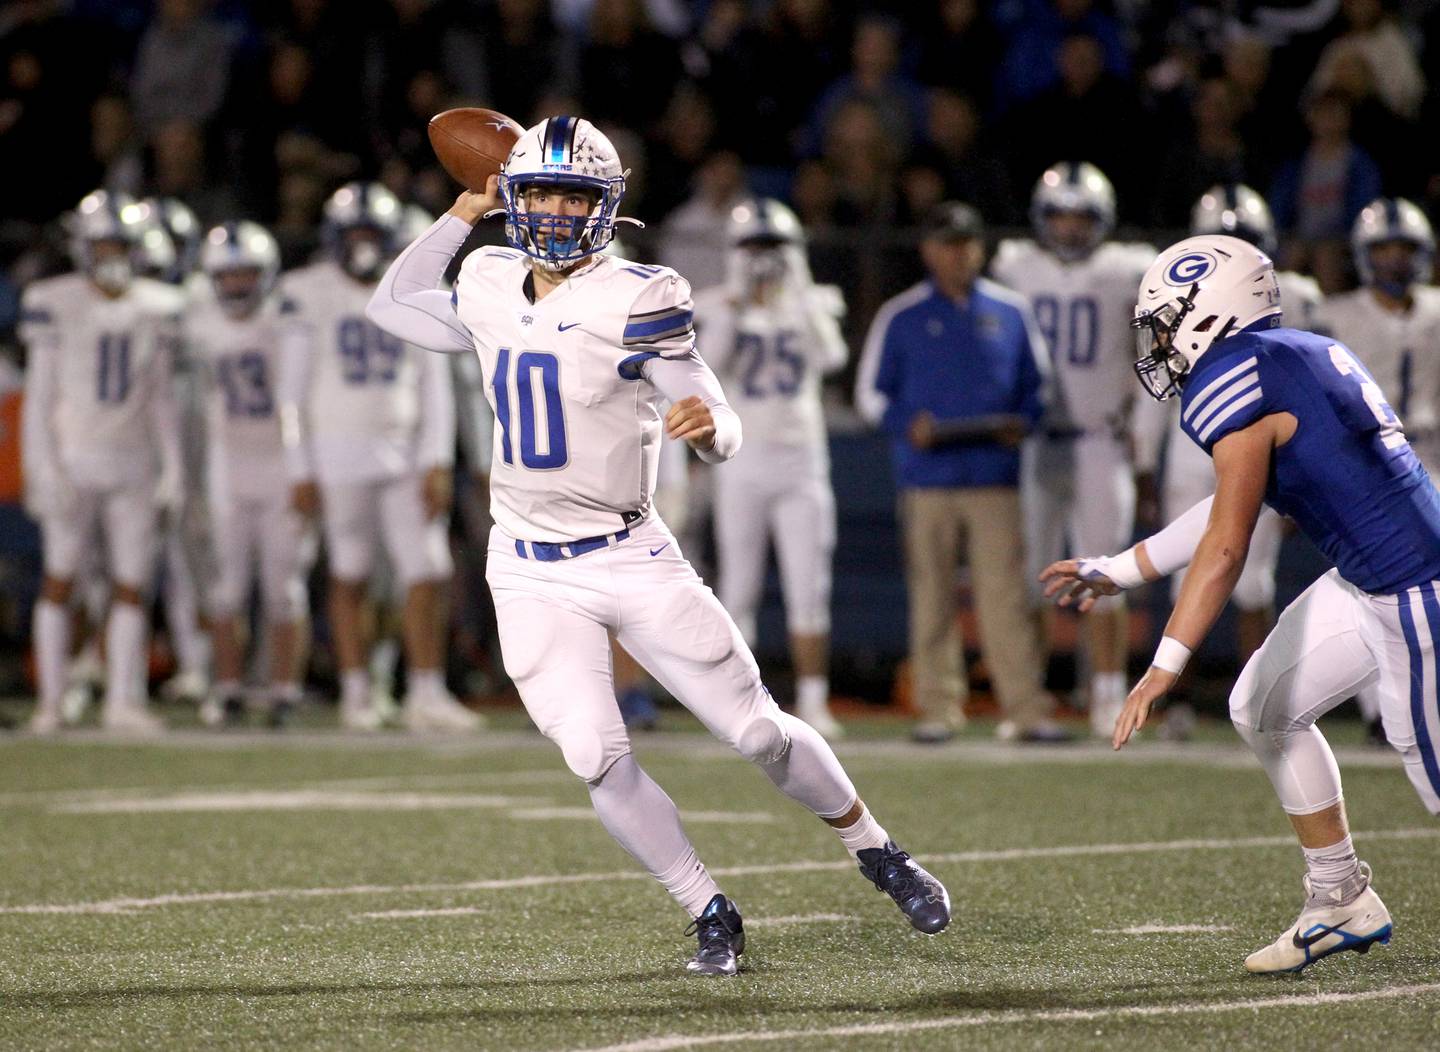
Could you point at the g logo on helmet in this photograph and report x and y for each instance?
(1190, 268)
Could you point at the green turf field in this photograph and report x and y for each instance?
(231, 891)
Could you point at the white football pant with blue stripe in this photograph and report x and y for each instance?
(1330, 643)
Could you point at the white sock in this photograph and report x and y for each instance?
(865, 833)
(1107, 688)
(124, 655)
(52, 650)
(644, 821)
(427, 681)
(1331, 869)
(355, 688)
(812, 694)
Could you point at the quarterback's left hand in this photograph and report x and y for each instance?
(690, 419)
(436, 491)
(1153, 686)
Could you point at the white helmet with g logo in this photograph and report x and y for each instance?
(1197, 292)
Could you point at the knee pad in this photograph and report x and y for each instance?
(695, 627)
(763, 739)
(585, 751)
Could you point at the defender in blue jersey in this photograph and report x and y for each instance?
(1293, 420)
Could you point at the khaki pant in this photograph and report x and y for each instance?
(987, 520)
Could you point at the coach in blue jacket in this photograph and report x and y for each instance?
(954, 371)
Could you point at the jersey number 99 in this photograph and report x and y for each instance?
(368, 354)
(543, 443)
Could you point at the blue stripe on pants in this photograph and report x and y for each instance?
(1417, 676)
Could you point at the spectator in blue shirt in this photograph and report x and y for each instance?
(954, 371)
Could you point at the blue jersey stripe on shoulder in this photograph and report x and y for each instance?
(630, 368)
(1230, 410)
(678, 321)
(36, 316)
(1240, 385)
(1195, 401)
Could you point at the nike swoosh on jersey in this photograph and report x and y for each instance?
(656, 551)
(1304, 941)
(563, 327)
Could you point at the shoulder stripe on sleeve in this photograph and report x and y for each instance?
(660, 325)
(1204, 394)
(36, 316)
(1233, 390)
(1230, 410)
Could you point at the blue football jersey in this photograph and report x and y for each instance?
(1348, 478)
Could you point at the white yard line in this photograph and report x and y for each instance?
(121, 905)
(290, 800)
(741, 818)
(1163, 929)
(470, 911)
(1059, 1015)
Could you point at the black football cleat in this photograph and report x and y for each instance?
(920, 896)
(722, 939)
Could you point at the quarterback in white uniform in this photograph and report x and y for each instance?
(771, 333)
(580, 349)
(1237, 210)
(1078, 479)
(234, 333)
(369, 428)
(102, 450)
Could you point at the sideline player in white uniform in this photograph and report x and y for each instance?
(1078, 479)
(580, 349)
(1238, 211)
(771, 333)
(169, 251)
(1392, 322)
(1291, 418)
(102, 448)
(369, 428)
(234, 334)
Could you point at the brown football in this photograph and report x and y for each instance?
(472, 143)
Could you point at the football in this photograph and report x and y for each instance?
(472, 143)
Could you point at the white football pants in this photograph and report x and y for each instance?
(124, 518)
(1081, 488)
(1330, 642)
(265, 540)
(780, 492)
(358, 517)
(1189, 479)
(555, 621)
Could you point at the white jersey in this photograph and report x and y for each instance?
(771, 358)
(359, 404)
(238, 360)
(577, 429)
(99, 402)
(1084, 311)
(1401, 350)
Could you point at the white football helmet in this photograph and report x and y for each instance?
(1073, 187)
(1196, 293)
(571, 153)
(170, 238)
(1237, 210)
(766, 244)
(242, 261)
(102, 216)
(1388, 219)
(362, 206)
(414, 221)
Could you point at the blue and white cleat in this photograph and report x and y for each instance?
(722, 938)
(920, 896)
(1326, 927)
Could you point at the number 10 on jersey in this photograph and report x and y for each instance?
(539, 411)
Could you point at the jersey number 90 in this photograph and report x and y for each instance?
(539, 411)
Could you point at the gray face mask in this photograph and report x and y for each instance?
(364, 260)
(112, 275)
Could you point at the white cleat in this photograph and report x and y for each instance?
(131, 718)
(362, 717)
(1324, 928)
(819, 717)
(438, 711)
(45, 722)
(190, 687)
(75, 702)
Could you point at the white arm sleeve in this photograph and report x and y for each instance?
(680, 378)
(408, 302)
(296, 348)
(435, 444)
(1174, 546)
